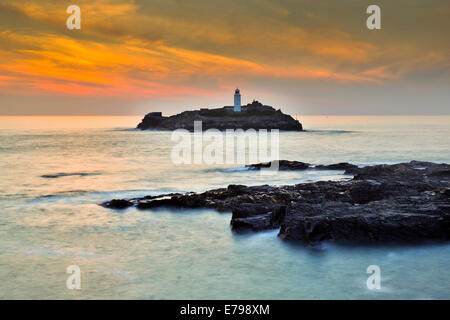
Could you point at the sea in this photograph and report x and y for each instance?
(56, 170)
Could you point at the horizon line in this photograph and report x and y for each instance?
(136, 115)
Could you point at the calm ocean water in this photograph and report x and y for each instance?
(56, 170)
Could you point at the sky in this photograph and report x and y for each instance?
(307, 57)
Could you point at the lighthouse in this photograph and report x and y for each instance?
(237, 100)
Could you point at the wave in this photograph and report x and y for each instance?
(70, 193)
(69, 174)
(124, 129)
(226, 170)
(331, 131)
(93, 196)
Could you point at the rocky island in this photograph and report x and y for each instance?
(400, 203)
(254, 115)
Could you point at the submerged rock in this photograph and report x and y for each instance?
(406, 202)
(118, 204)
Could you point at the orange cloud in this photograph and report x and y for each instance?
(186, 58)
(59, 64)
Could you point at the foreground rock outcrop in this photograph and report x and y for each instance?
(253, 116)
(406, 202)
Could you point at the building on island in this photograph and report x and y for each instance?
(237, 100)
(253, 115)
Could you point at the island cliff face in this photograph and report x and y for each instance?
(253, 116)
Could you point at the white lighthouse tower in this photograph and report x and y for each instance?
(237, 100)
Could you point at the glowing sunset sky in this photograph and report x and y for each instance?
(305, 56)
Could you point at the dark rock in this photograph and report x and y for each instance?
(236, 189)
(278, 214)
(282, 165)
(117, 204)
(440, 173)
(246, 210)
(151, 120)
(362, 192)
(297, 165)
(380, 221)
(255, 223)
(165, 202)
(405, 202)
(336, 166)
